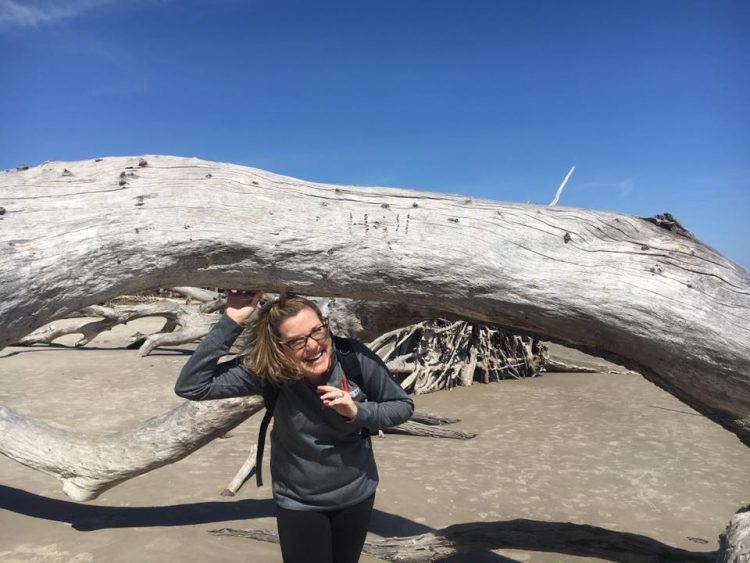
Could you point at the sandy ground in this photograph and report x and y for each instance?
(608, 450)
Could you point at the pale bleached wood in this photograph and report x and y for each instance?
(735, 541)
(560, 188)
(87, 467)
(183, 324)
(437, 354)
(239, 479)
(413, 428)
(616, 285)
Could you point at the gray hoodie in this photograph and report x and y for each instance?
(319, 460)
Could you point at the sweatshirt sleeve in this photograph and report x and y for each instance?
(387, 403)
(203, 377)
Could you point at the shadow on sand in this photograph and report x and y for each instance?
(56, 347)
(556, 537)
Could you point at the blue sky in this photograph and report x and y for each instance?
(650, 100)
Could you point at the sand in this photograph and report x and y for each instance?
(609, 450)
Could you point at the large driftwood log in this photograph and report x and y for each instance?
(638, 291)
(620, 286)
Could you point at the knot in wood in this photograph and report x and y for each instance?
(668, 222)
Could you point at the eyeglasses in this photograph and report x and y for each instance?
(319, 334)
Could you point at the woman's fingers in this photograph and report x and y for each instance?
(330, 393)
(241, 304)
(240, 299)
(338, 400)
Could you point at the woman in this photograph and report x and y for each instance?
(323, 470)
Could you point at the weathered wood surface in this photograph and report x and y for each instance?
(242, 474)
(183, 324)
(734, 543)
(607, 283)
(438, 354)
(87, 467)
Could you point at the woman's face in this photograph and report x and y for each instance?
(314, 357)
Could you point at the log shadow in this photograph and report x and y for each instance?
(38, 348)
(388, 525)
(85, 517)
(475, 538)
(582, 540)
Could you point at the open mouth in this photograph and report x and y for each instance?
(313, 359)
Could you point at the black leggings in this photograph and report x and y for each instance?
(333, 536)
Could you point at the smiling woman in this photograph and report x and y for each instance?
(289, 340)
(322, 464)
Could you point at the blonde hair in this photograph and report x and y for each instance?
(265, 355)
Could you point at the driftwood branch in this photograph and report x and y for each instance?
(239, 479)
(562, 185)
(433, 419)
(552, 365)
(411, 428)
(183, 324)
(89, 467)
(557, 537)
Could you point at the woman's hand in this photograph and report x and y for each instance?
(338, 400)
(241, 304)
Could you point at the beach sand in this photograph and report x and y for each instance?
(607, 449)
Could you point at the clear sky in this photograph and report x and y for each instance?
(649, 99)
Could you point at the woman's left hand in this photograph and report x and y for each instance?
(338, 400)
